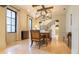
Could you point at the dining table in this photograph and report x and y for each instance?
(45, 35)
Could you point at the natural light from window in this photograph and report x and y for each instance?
(11, 21)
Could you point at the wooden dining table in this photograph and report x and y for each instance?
(45, 35)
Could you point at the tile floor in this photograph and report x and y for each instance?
(23, 47)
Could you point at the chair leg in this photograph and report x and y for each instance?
(46, 42)
(39, 45)
(31, 43)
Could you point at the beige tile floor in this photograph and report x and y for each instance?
(23, 47)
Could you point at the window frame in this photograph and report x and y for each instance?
(11, 20)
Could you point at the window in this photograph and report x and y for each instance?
(11, 21)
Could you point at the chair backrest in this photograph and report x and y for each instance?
(69, 34)
(35, 34)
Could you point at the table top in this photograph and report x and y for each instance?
(44, 31)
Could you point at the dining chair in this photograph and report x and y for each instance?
(35, 37)
(69, 37)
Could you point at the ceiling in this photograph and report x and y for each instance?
(56, 10)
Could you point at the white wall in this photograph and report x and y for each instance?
(2, 28)
(62, 25)
(68, 20)
(74, 10)
(75, 29)
(22, 22)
